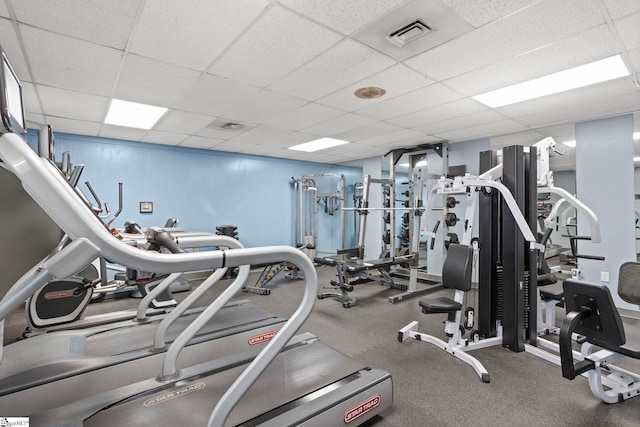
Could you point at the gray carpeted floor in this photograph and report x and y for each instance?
(430, 386)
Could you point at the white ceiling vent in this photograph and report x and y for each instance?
(410, 33)
(229, 125)
(401, 32)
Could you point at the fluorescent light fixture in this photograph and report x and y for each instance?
(133, 115)
(636, 136)
(318, 144)
(583, 75)
(570, 143)
(636, 159)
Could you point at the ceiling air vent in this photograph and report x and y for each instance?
(230, 126)
(409, 33)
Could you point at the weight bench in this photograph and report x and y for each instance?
(592, 313)
(456, 274)
(352, 273)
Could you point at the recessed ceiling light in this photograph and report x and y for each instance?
(584, 75)
(636, 159)
(318, 144)
(133, 115)
(636, 136)
(370, 92)
(569, 143)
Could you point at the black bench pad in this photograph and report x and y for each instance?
(439, 305)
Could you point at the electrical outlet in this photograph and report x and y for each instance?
(604, 276)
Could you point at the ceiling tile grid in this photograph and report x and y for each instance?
(267, 51)
(543, 23)
(215, 95)
(343, 16)
(619, 8)
(439, 113)
(287, 70)
(64, 103)
(305, 116)
(343, 64)
(194, 35)
(70, 63)
(154, 82)
(397, 80)
(421, 99)
(629, 29)
(588, 46)
(107, 23)
(481, 12)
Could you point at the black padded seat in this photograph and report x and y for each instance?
(553, 292)
(439, 305)
(456, 274)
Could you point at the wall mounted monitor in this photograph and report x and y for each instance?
(11, 107)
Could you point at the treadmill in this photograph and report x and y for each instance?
(307, 384)
(297, 387)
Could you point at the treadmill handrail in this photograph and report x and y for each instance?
(48, 188)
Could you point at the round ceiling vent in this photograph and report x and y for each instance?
(370, 92)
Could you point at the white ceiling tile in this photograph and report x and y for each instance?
(396, 80)
(123, 133)
(389, 139)
(538, 25)
(603, 107)
(420, 99)
(260, 150)
(11, 47)
(213, 130)
(339, 125)
(268, 51)
(620, 8)
(561, 133)
(200, 142)
(481, 12)
(215, 95)
(183, 122)
(635, 58)
(70, 63)
(267, 135)
(108, 23)
(305, 116)
(480, 131)
(233, 146)
(451, 110)
(340, 66)
(73, 105)
(4, 12)
(629, 30)
(343, 16)
(589, 46)
(34, 121)
(30, 98)
(76, 127)
(265, 106)
(153, 82)
(469, 120)
(192, 35)
(372, 130)
(165, 138)
(585, 98)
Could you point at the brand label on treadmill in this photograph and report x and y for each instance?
(58, 294)
(173, 394)
(361, 409)
(260, 338)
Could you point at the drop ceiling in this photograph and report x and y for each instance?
(287, 70)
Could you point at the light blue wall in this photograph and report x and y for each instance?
(202, 188)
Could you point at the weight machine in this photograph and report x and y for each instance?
(393, 259)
